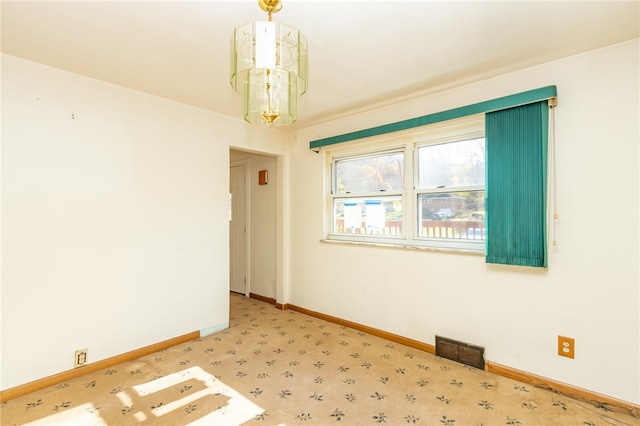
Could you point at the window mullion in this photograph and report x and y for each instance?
(409, 213)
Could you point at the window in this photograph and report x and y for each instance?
(519, 133)
(369, 194)
(423, 189)
(450, 190)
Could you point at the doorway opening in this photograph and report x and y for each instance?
(238, 235)
(255, 225)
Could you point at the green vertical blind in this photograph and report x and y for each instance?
(516, 185)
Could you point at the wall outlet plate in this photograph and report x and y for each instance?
(80, 358)
(566, 346)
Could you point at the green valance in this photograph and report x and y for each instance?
(497, 104)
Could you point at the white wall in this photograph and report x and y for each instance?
(114, 218)
(591, 288)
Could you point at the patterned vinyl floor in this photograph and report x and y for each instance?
(275, 367)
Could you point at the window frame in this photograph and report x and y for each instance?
(408, 142)
(348, 154)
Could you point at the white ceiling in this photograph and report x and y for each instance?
(361, 53)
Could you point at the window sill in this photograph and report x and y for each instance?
(406, 247)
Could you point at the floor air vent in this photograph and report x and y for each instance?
(460, 352)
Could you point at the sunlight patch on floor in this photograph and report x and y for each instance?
(236, 409)
(85, 414)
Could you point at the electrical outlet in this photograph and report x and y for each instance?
(80, 358)
(566, 346)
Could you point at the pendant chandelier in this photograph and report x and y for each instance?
(269, 68)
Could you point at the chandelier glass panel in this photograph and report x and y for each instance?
(269, 68)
